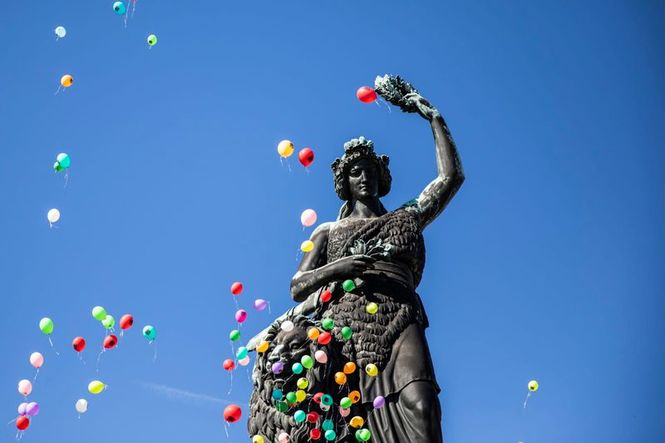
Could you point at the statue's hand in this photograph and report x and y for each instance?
(351, 266)
(420, 104)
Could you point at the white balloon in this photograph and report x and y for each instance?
(81, 405)
(53, 215)
(287, 326)
(60, 31)
(308, 217)
(244, 361)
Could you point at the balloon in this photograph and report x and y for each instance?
(282, 406)
(108, 322)
(232, 413)
(347, 332)
(260, 304)
(348, 285)
(22, 423)
(291, 398)
(297, 368)
(152, 40)
(340, 378)
(244, 361)
(321, 357)
(287, 326)
(300, 395)
(277, 394)
(299, 416)
(372, 308)
(149, 332)
(110, 342)
(285, 148)
(236, 288)
(228, 364)
(324, 407)
(258, 439)
(64, 160)
(315, 434)
(96, 387)
(263, 346)
(312, 417)
(345, 402)
(379, 402)
(345, 412)
(366, 94)
(66, 81)
(78, 344)
(307, 246)
(283, 437)
(328, 324)
(354, 396)
(119, 8)
(241, 315)
(328, 425)
(60, 31)
(46, 325)
(330, 435)
(317, 397)
(126, 321)
(302, 383)
(36, 360)
(32, 409)
(313, 333)
(81, 405)
(308, 217)
(21, 408)
(306, 157)
(307, 361)
(533, 386)
(277, 367)
(324, 338)
(364, 434)
(326, 296)
(241, 352)
(349, 367)
(234, 335)
(372, 370)
(53, 215)
(99, 313)
(357, 422)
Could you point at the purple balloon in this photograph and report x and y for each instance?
(21, 408)
(32, 409)
(277, 367)
(260, 304)
(379, 402)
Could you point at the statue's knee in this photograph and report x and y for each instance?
(420, 398)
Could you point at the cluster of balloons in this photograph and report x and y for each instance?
(285, 149)
(28, 409)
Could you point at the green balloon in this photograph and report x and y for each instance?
(108, 322)
(330, 435)
(365, 434)
(281, 406)
(234, 335)
(64, 160)
(345, 402)
(348, 285)
(291, 398)
(149, 332)
(327, 425)
(99, 313)
(328, 324)
(152, 39)
(299, 416)
(46, 325)
(57, 167)
(307, 361)
(297, 368)
(347, 332)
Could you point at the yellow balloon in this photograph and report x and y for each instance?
(307, 246)
(96, 387)
(372, 370)
(313, 333)
(357, 422)
(300, 395)
(340, 378)
(285, 148)
(372, 308)
(533, 386)
(66, 81)
(302, 383)
(263, 347)
(258, 439)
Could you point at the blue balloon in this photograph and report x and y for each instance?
(119, 8)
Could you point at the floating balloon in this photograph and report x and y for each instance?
(229, 365)
(277, 394)
(312, 417)
(277, 367)
(299, 416)
(60, 31)
(328, 425)
(357, 422)
(324, 338)
(340, 379)
(32, 409)
(81, 405)
(372, 370)
(349, 367)
(313, 333)
(22, 423)
(119, 8)
(379, 402)
(317, 397)
(306, 157)
(291, 398)
(372, 308)
(344, 412)
(98, 313)
(244, 361)
(66, 81)
(354, 396)
(297, 368)
(260, 304)
(78, 344)
(110, 342)
(330, 435)
(328, 324)
(234, 335)
(283, 437)
(287, 326)
(315, 434)
(236, 288)
(348, 285)
(307, 361)
(108, 322)
(285, 148)
(241, 315)
(263, 346)
(326, 296)
(149, 332)
(366, 94)
(126, 321)
(241, 352)
(258, 439)
(307, 246)
(363, 435)
(96, 387)
(308, 217)
(533, 386)
(282, 406)
(36, 360)
(232, 413)
(345, 402)
(53, 215)
(62, 162)
(302, 383)
(22, 408)
(347, 332)
(152, 40)
(46, 325)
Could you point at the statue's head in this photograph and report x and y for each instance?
(361, 174)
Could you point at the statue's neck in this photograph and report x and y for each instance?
(366, 208)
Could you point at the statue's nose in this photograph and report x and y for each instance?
(275, 354)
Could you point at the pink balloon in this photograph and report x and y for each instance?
(321, 356)
(260, 304)
(308, 217)
(283, 438)
(244, 361)
(36, 360)
(241, 315)
(344, 412)
(24, 387)
(21, 408)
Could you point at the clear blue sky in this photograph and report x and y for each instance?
(547, 265)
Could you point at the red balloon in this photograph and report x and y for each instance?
(317, 397)
(229, 365)
(326, 296)
(315, 434)
(312, 417)
(79, 344)
(236, 288)
(232, 413)
(126, 321)
(366, 94)
(22, 423)
(306, 157)
(324, 338)
(110, 342)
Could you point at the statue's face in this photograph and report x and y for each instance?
(289, 348)
(363, 180)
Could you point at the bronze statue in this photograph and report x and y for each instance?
(382, 253)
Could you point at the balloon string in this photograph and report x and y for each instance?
(134, 9)
(226, 430)
(35, 377)
(56, 92)
(99, 357)
(66, 178)
(53, 347)
(269, 309)
(231, 386)
(154, 357)
(526, 399)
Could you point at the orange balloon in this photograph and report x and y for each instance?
(313, 333)
(349, 368)
(340, 378)
(354, 396)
